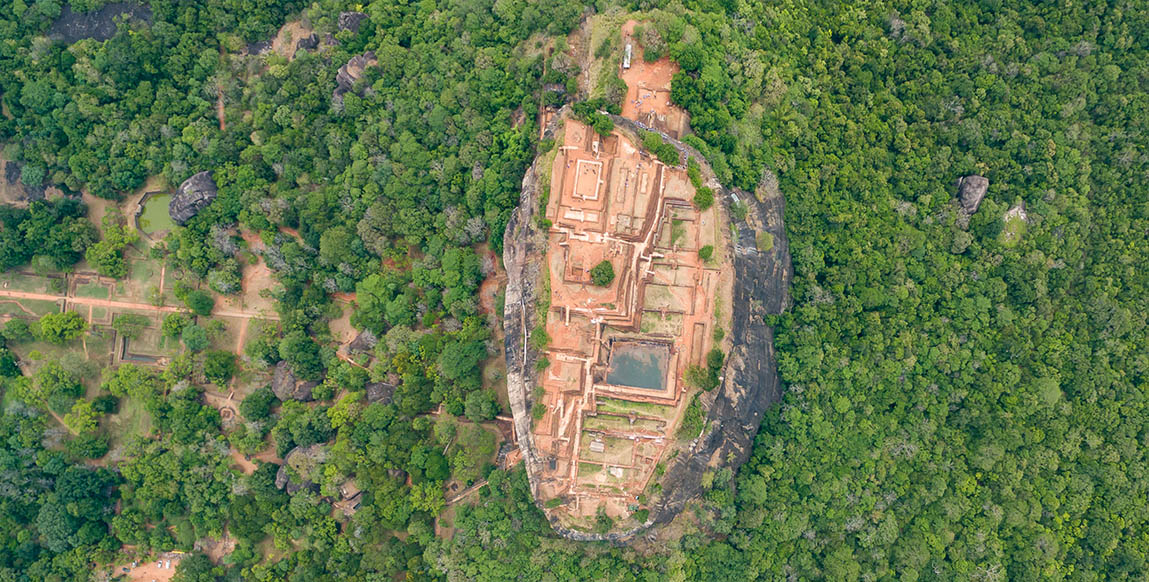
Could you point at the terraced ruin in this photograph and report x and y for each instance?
(614, 436)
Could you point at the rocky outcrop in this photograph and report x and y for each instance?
(750, 379)
(524, 243)
(307, 43)
(192, 196)
(300, 468)
(286, 387)
(101, 24)
(20, 194)
(971, 191)
(363, 343)
(349, 73)
(351, 21)
(380, 392)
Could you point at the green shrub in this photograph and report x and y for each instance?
(692, 420)
(602, 274)
(195, 338)
(665, 152)
(764, 240)
(704, 198)
(57, 328)
(706, 252)
(199, 302)
(219, 367)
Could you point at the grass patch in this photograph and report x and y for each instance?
(131, 421)
(22, 307)
(764, 241)
(677, 232)
(692, 420)
(1012, 231)
(608, 422)
(30, 283)
(92, 290)
(626, 407)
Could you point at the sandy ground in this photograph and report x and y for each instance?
(151, 570)
(248, 466)
(219, 111)
(217, 550)
(254, 279)
(284, 42)
(98, 209)
(341, 329)
(9, 194)
(648, 89)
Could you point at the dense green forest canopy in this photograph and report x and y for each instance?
(966, 395)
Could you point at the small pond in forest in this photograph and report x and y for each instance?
(155, 220)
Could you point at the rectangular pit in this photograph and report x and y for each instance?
(639, 365)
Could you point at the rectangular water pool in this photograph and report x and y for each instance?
(638, 365)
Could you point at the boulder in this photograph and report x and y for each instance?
(73, 25)
(307, 43)
(380, 392)
(351, 21)
(286, 387)
(192, 196)
(260, 47)
(971, 191)
(363, 343)
(304, 464)
(22, 193)
(351, 72)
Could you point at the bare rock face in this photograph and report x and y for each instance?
(307, 43)
(351, 72)
(971, 191)
(363, 343)
(287, 387)
(101, 24)
(351, 21)
(380, 392)
(193, 195)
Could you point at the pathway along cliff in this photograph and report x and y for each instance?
(750, 383)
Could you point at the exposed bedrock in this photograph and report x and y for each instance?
(750, 379)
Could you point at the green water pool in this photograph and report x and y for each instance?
(638, 365)
(155, 218)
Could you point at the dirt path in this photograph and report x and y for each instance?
(219, 108)
(107, 303)
(239, 341)
(60, 420)
(469, 490)
(245, 466)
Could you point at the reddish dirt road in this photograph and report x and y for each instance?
(110, 304)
